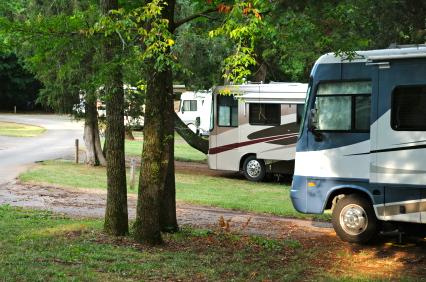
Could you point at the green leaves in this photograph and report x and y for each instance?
(237, 65)
(143, 29)
(243, 23)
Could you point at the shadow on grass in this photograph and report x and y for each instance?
(382, 259)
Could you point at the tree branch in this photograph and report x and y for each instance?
(190, 137)
(193, 17)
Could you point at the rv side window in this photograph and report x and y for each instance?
(227, 108)
(189, 106)
(409, 108)
(265, 114)
(344, 106)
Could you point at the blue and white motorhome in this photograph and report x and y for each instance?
(362, 146)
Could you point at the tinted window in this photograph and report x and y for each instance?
(343, 106)
(409, 108)
(189, 106)
(265, 114)
(227, 108)
(362, 112)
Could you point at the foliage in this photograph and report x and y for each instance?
(42, 42)
(284, 36)
(200, 56)
(142, 30)
(72, 63)
(17, 86)
(297, 33)
(242, 24)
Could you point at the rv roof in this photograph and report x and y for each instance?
(191, 95)
(376, 55)
(288, 92)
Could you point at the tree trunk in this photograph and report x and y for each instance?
(94, 155)
(116, 217)
(155, 159)
(168, 220)
(129, 134)
(157, 155)
(195, 141)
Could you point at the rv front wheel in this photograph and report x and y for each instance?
(354, 219)
(254, 169)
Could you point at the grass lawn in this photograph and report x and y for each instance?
(238, 194)
(40, 246)
(19, 130)
(183, 152)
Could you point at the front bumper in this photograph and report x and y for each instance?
(298, 193)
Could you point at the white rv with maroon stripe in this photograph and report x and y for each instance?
(254, 128)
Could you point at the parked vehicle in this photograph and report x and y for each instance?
(255, 128)
(362, 147)
(195, 109)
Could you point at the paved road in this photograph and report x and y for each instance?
(58, 141)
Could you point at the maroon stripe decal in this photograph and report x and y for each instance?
(220, 149)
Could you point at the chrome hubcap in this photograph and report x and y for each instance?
(353, 219)
(254, 168)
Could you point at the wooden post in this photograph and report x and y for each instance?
(132, 174)
(14, 109)
(76, 151)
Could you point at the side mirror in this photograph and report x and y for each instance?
(313, 123)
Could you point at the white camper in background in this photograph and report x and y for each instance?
(195, 110)
(133, 122)
(255, 128)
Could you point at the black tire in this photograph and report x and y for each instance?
(361, 225)
(254, 169)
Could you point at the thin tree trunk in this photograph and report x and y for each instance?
(94, 156)
(195, 141)
(98, 147)
(104, 149)
(88, 140)
(129, 134)
(116, 215)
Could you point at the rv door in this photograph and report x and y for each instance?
(399, 140)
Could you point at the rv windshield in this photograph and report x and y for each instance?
(343, 106)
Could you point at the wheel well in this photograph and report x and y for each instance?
(243, 159)
(335, 195)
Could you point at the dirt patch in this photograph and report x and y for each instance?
(91, 203)
(200, 168)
